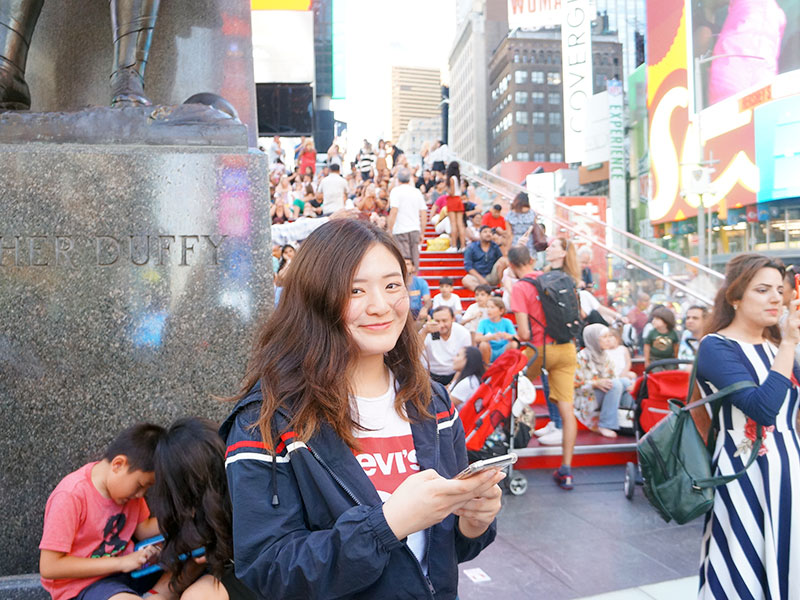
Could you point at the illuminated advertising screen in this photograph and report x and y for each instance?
(726, 58)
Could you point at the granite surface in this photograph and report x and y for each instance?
(198, 46)
(180, 125)
(132, 280)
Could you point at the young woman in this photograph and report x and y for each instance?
(469, 370)
(751, 539)
(190, 500)
(520, 219)
(560, 254)
(341, 455)
(455, 207)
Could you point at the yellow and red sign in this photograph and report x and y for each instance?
(281, 4)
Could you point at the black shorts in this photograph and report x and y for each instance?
(118, 584)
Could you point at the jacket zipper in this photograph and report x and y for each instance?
(334, 475)
(336, 478)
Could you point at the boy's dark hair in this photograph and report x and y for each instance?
(138, 444)
(445, 281)
(666, 315)
(334, 167)
(483, 288)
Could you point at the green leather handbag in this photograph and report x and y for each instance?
(676, 463)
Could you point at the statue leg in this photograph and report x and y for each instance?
(17, 22)
(132, 22)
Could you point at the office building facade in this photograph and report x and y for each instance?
(416, 94)
(525, 96)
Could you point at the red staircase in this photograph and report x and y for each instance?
(435, 265)
(590, 449)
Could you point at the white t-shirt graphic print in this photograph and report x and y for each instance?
(387, 452)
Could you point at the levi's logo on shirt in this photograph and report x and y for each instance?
(387, 461)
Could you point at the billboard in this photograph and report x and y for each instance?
(593, 206)
(576, 57)
(279, 25)
(534, 14)
(701, 56)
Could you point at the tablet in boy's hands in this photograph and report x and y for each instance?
(496, 462)
(156, 539)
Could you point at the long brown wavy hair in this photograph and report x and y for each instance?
(738, 275)
(304, 351)
(570, 266)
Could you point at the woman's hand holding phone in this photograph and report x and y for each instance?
(426, 498)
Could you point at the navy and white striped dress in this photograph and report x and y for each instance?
(751, 541)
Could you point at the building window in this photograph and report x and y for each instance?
(538, 118)
(554, 98)
(516, 58)
(555, 138)
(522, 138)
(600, 81)
(554, 118)
(537, 77)
(539, 138)
(521, 76)
(554, 78)
(538, 156)
(522, 156)
(537, 97)
(521, 97)
(556, 157)
(522, 117)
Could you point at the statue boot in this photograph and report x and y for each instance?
(132, 22)
(17, 22)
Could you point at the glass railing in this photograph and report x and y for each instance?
(622, 264)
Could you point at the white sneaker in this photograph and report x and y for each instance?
(549, 428)
(452, 249)
(554, 438)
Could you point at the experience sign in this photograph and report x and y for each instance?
(576, 57)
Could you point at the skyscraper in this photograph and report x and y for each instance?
(482, 24)
(416, 94)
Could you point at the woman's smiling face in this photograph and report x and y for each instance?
(378, 308)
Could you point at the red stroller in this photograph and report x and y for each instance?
(652, 392)
(488, 418)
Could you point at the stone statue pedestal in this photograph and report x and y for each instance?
(132, 279)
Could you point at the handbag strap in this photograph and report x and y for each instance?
(716, 399)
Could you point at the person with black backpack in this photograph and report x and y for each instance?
(547, 311)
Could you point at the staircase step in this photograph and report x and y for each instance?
(438, 272)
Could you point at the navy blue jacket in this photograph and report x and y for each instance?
(310, 524)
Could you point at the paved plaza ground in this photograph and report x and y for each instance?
(557, 545)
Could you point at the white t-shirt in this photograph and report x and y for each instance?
(473, 310)
(453, 302)
(588, 302)
(387, 452)
(334, 190)
(463, 390)
(440, 354)
(619, 359)
(408, 201)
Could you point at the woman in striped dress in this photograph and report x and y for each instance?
(751, 541)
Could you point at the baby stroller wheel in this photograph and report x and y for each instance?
(630, 480)
(517, 484)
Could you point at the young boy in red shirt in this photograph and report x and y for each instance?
(93, 515)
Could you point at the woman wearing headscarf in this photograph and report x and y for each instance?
(597, 390)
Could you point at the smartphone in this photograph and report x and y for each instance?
(496, 462)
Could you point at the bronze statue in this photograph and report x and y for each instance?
(132, 23)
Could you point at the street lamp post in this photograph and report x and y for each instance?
(698, 107)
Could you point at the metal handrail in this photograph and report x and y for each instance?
(630, 259)
(622, 232)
